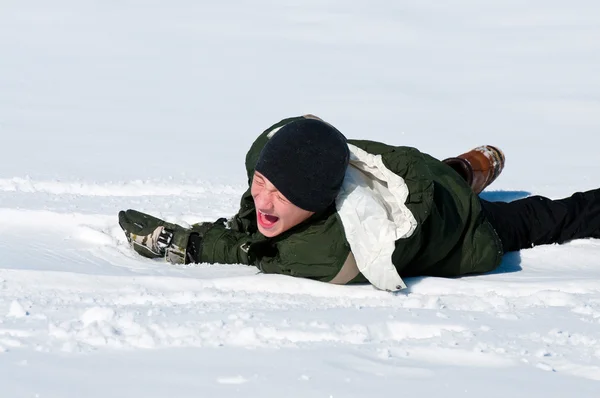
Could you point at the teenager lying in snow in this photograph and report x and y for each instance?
(322, 207)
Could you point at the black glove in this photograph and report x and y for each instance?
(154, 238)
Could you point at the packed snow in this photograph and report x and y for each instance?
(152, 105)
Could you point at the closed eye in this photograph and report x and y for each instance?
(282, 198)
(259, 181)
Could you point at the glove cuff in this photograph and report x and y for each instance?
(175, 253)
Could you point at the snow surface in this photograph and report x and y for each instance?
(109, 105)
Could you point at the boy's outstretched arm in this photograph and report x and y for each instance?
(211, 242)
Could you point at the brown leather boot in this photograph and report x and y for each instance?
(479, 167)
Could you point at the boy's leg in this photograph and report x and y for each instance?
(537, 220)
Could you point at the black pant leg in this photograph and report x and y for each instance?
(537, 220)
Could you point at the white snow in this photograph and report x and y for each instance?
(16, 310)
(152, 105)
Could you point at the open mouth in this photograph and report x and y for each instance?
(266, 220)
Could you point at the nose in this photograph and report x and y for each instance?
(263, 201)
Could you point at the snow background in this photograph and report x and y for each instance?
(109, 105)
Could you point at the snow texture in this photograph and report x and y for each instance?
(152, 105)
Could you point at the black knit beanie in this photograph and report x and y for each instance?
(306, 161)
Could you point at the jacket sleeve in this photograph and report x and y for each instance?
(223, 245)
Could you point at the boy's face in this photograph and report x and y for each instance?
(274, 213)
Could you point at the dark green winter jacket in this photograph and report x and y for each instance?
(442, 228)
